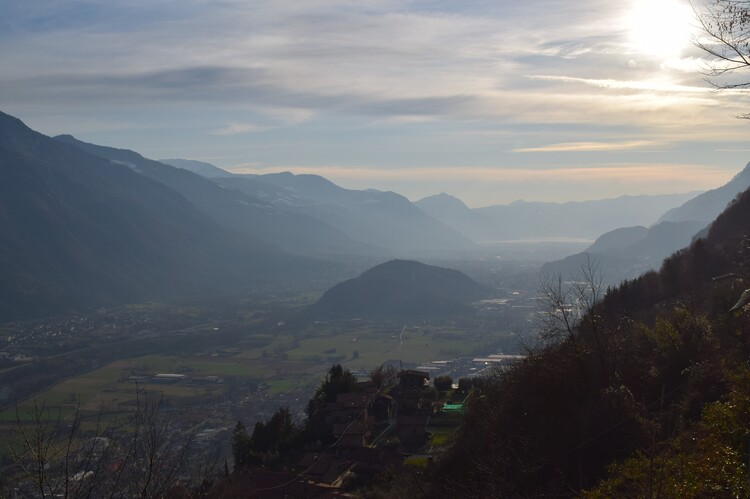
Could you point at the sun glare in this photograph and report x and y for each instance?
(660, 28)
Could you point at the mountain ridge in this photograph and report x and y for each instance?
(533, 219)
(294, 232)
(383, 219)
(78, 230)
(707, 206)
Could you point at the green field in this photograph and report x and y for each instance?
(288, 362)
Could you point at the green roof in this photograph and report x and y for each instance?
(453, 407)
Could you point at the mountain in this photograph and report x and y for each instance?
(613, 268)
(401, 288)
(617, 239)
(293, 231)
(707, 206)
(456, 215)
(663, 239)
(382, 219)
(586, 219)
(76, 230)
(626, 253)
(201, 168)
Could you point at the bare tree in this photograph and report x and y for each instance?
(141, 455)
(726, 29)
(54, 457)
(568, 313)
(567, 302)
(157, 449)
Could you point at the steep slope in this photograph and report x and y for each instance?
(617, 239)
(625, 258)
(295, 232)
(383, 219)
(401, 288)
(663, 239)
(650, 390)
(626, 253)
(76, 229)
(707, 206)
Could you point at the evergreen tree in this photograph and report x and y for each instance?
(240, 446)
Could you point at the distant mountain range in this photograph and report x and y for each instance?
(627, 252)
(440, 223)
(86, 224)
(381, 219)
(401, 288)
(535, 220)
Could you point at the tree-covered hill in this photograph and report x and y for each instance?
(401, 288)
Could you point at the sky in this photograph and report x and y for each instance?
(490, 101)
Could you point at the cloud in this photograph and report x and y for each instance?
(648, 85)
(345, 81)
(287, 115)
(590, 146)
(398, 61)
(239, 128)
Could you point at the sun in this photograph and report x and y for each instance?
(660, 28)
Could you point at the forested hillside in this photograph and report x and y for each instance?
(647, 396)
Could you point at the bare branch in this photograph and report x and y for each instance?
(726, 26)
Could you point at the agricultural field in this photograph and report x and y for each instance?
(253, 372)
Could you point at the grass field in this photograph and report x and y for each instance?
(375, 347)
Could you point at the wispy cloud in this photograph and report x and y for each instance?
(390, 83)
(239, 128)
(648, 85)
(590, 146)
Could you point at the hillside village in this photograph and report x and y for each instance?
(363, 430)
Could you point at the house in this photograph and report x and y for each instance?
(411, 377)
(353, 405)
(351, 434)
(412, 430)
(382, 407)
(409, 391)
(408, 399)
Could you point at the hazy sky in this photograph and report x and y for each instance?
(491, 101)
